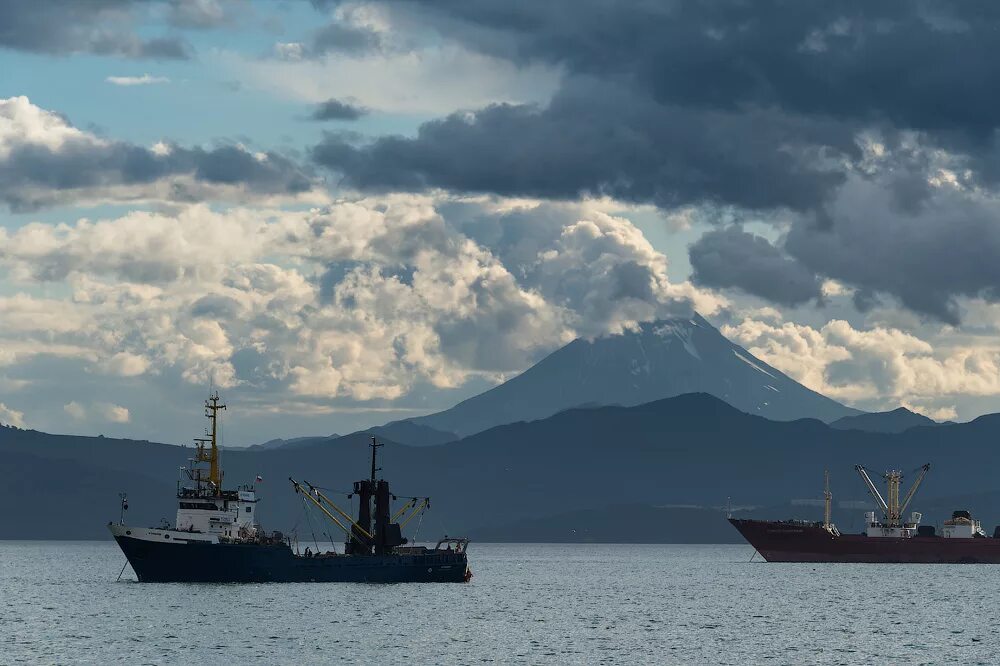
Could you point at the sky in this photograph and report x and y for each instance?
(341, 213)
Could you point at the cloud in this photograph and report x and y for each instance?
(825, 59)
(104, 411)
(289, 51)
(942, 413)
(113, 413)
(143, 80)
(341, 37)
(432, 80)
(11, 417)
(800, 119)
(930, 259)
(126, 364)
(927, 259)
(334, 109)
(878, 367)
(44, 160)
(200, 14)
(733, 258)
(75, 410)
(100, 27)
(597, 140)
(360, 301)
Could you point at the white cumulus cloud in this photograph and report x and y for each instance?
(878, 367)
(76, 410)
(114, 413)
(11, 416)
(361, 300)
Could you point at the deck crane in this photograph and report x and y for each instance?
(893, 509)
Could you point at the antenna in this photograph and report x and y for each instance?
(827, 499)
(124, 498)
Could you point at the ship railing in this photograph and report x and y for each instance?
(460, 543)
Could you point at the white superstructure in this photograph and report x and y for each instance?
(205, 512)
(228, 514)
(961, 525)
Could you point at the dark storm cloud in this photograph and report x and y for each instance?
(925, 259)
(592, 140)
(917, 64)
(733, 258)
(893, 65)
(335, 109)
(756, 106)
(662, 76)
(102, 27)
(32, 175)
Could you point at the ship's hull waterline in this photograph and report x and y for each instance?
(805, 542)
(170, 561)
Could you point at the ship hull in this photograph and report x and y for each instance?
(806, 542)
(174, 561)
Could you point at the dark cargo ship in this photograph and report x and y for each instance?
(216, 538)
(888, 539)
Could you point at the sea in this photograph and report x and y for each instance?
(62, 603)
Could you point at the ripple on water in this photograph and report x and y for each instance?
(538, 604)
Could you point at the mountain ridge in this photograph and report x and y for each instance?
(693, 449)
(897, 420)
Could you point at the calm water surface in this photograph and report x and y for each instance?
(535, 604)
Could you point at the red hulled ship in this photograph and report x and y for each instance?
(891, 538)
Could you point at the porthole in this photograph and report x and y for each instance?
(128, 532)
(166, 536)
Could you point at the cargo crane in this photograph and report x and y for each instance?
(889, 538)
(374, 531)
(892, 523)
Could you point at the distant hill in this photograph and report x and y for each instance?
(402, 432)
(898, 420)
(525, 478)
(660, 360)
(413, 434)
(294, 441)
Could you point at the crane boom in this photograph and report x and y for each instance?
(330, 503)
(299, 489)
(873, 490)
(913, 488)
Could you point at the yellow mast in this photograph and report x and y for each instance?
(211, 456)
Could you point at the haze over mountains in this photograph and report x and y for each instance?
(522, 480)
(660, 360)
